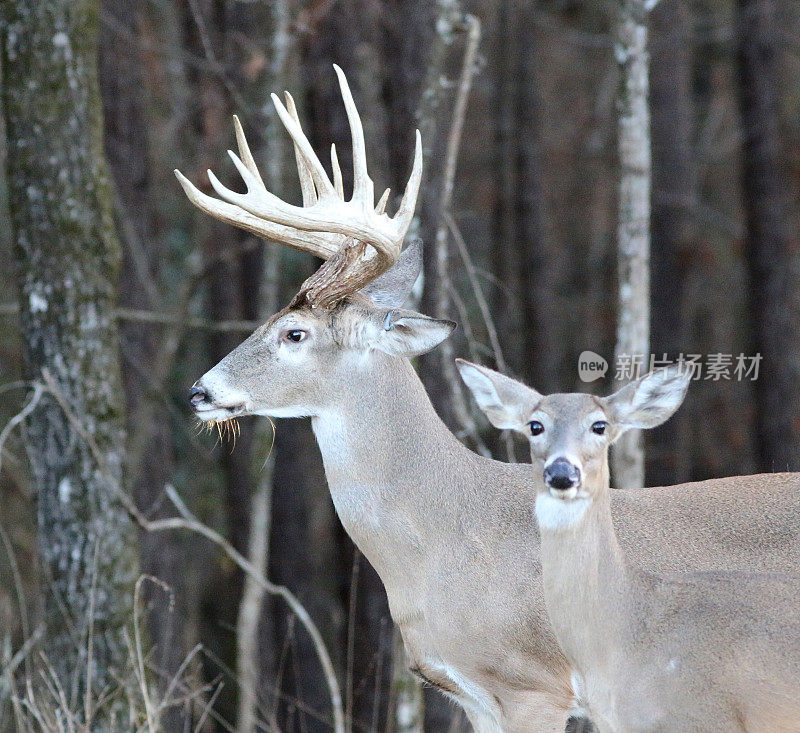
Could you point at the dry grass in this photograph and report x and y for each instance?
(38, 701)
(33, 697)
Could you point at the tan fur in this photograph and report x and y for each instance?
(659, 650)
(452, 535)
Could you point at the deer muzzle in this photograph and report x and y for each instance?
(562, 475)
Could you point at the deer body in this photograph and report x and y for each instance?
(646, 644)
(449, 532)
(651, 650)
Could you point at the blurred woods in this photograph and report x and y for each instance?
(528, 235)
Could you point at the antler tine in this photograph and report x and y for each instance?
(321, 181)
(244, 151)
(381, 207)
(251, 182)
(362, 183)
(405, 212)
(306, 181)
(321, 244)
(338, 184)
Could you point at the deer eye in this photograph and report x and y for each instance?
(295, 335)
(536, 427)
(599, 427)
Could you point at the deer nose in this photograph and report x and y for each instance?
(197, 395)
(561, 474)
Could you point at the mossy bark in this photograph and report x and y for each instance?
(67, 258)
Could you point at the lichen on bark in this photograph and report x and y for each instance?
(633, 230)
(66, 257)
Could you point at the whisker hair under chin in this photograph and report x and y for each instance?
(227, 429)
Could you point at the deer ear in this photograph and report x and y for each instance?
(392, 288)
(650, 400)
(505, 401)
(406, 333)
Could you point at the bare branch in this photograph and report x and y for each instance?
(202, 324)
(165, 319)
(446, 353)
(477, 290)
(187, 521)
(483, 306)
(38, 390)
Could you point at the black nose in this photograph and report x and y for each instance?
(197, 395)
(561, 474)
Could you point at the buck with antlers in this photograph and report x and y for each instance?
(448, 531)
(651, 651)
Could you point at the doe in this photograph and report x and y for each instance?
(690, 651)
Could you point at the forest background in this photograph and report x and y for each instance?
(529, 231)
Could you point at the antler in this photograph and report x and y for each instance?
(326, 224)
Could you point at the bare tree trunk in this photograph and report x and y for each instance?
(304, 555)
(207, 25)
(67, 258)
(123, 88)
(633, 233)
(441, 34)
(408, 38)
(444, 97)
(256, 647)
(408, 711)
(433, 119)
(522, 259)
(248, 666)
(435, 30)
(673, 199)
(771, 247)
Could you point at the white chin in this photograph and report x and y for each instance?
(284, 412)
(563, 494)
(218, 413)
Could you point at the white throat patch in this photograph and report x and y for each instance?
(553, 513)
(579, 707)
(330, 429)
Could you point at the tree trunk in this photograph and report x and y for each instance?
(444, 96)
(673, 198)
(123, 86)
(533, 343)
(207, 25)
(67, 259)
(434, 118)
(771, 248)
(431, 31)
(257, 650)
(633, 232)
(304, 556)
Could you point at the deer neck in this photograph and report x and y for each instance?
(388, 460)
(587, 580)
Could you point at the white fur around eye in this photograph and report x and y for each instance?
(292, 353)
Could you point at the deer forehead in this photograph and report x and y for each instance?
(298, 318)
(573, 409)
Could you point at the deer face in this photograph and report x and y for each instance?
(570, 434)
(303, 359)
